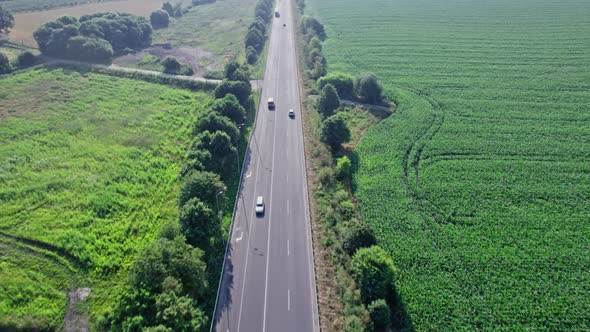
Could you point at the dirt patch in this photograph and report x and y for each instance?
(199, 59)
(76, 319)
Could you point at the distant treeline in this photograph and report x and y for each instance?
(95, 37)
(257, 32)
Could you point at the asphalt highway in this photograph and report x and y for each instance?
(268, 281)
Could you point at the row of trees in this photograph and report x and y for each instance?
(171, 284)
(257, 31)
(95, 37)
(160, 18)
(368, 267)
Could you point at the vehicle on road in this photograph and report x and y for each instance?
(284, 24)
(277, 14)
(259, 205)
(271, 103)
(291, 113)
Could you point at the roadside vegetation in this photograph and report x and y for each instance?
(351, 266)
(478, 185)
(89, 176)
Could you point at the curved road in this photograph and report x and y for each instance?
(268, 283)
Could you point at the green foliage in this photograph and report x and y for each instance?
(219, 147)
(311, 27)
(4, 64)
(202, 185)
(239, 89)
(178, 313)
(171, 65)
(353, 323)
(230, 107)
(329, 101)
(120, 30)
(373, 270)
(159, 19)
(26, 59)
(368, 89)
(213, 122)
(6, 20)
(343, 168)
(173, 11)
(335, 131)
(343, 83)
(380, 314)
(499, 168)
(357, 235)
(91, 162)
(198, 223)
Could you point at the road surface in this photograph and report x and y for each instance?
(268, 282)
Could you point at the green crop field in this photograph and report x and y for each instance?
(88, 174)
(479, 185)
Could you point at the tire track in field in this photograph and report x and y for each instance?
(71, 259)
(413, 156)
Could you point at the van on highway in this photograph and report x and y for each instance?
(271, 103)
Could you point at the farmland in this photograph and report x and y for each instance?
(89, 167)
(479, 184)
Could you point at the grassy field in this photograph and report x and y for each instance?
(479, 185)
(89, 167)
(17, 6)
(217, 28)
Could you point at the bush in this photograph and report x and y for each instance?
(335, 131)
(380, 314)
(251, 55)
(4, 64)
(353, 324)
(329, 101)
(357, 236)
(26, 59)
(159, 19)
(311, 27)
(343, 83)
(171, 65)
(373, 271)
(220, 147)
(254, 39)
(369, 89)
(343, 168)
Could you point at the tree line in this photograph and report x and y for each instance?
(257, 31)
(95, 37)
(171, 285)
(367, 282)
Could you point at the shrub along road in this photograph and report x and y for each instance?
(268, 282)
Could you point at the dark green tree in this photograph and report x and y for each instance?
(6, 20)
(90, 49)
(159, 19)
(380, 314)
(251, 55)
(343, 83)
(213, 122)
(167, 6)
(4, 64)
(254, 38)
(171, 65)
(203, 185)
(198, 223)
(335, 131)
(357, 235)
(178, 313)
(26, 59)
(369, 89)
(239, 89)
(373, 272)
(230, 107)
(219, 145)
(329, 101)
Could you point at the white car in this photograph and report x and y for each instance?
(291, 113)
(259, 205)
(271, 103)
